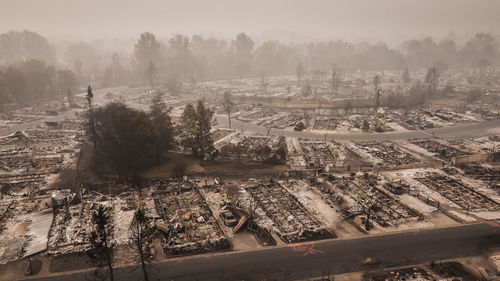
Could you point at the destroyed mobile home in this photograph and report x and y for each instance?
(186, 220)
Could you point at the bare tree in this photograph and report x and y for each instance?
(101, 252)
(140, 235)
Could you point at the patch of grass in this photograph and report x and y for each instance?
(448, 101)
(236, 165)
(172, 160)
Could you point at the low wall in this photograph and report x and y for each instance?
(481, 157)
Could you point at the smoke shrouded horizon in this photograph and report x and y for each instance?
(290, 21)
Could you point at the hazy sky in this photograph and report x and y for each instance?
(388, 20)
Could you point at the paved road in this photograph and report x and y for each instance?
(458, 131)
(33, 124)
(466, 130)
(336, 256)
(99, 98)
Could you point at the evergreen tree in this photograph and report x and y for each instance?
(194, 129)
(203, 128)
(187, 129)
(162, 125)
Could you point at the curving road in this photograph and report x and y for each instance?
(71, 113)
(465, 130)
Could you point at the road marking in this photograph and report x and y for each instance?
(297, 247)
(494, 223)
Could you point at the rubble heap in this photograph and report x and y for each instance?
(72, 225)
(291, 219)
(459, 193)
(28, 159)
(442, 151)
(192, 226)
(320, 154)
(359, 196)
(490, 175)
(388, 154)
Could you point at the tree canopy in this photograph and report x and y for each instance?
(33, 80)
(194, 129)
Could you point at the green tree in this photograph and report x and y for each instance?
(194, 129)
(187, 129)
(204, 125)
(162, 125)
(125, 139)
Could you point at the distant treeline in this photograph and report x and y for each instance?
(196, 58)
(33, 80)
